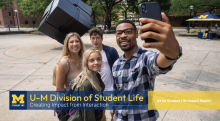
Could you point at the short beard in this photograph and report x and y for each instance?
(126, 49)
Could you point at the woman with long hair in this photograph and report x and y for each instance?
(70, 64)
(88, 80)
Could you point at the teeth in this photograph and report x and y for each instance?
(124, 42)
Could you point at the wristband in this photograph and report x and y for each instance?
(180, 54)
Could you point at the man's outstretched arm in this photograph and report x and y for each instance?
(166, 41)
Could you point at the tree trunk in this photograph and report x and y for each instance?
(94, 18)
(125, 14)
(12, 13)
(110, 21)
(36, 22)
(195, 13)
(106, 19)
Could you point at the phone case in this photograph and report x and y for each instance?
(150, 10)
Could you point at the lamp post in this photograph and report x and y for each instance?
(191, 8)
(130, 17)
(32, 21)
(16, 11)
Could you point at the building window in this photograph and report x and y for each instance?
(33, 22)
(0, 23)
(11, 22)
(9, 13)
(26, 22)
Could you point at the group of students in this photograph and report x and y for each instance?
(90, 70)
(101, 69)
(103, 28)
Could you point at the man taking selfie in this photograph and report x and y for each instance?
(137, 68)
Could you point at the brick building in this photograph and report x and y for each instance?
(8, 17)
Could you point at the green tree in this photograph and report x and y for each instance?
(4, 4)
(107, 6)
(180, 7)
(212, 6)
(35, 8)
(115, 14)
(164, 4)
(128, 6)
(96, 9)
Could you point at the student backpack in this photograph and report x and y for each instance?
(65, 114)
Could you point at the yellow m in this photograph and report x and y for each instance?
(16, 99)
(205, 34)
(201, 16)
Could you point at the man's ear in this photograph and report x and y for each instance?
(136, 33)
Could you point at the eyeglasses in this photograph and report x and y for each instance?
(97, 38)
(127, 31)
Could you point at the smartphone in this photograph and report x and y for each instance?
(150, 10)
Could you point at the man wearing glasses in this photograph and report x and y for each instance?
(137, 68)
(109, 56)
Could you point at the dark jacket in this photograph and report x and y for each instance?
(111, 54)
(86, 115)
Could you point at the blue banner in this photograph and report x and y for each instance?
(79, 100)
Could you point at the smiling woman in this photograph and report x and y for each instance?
(88, 80)
(70, 63)
(95, 62)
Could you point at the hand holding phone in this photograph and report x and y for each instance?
(150, 10)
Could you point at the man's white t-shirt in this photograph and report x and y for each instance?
(106, 73)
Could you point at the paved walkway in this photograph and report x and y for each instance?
(16, 29)
(27, 62)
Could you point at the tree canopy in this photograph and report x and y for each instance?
(107, 6)
(4, 4)
(34, 7)
(164, 5)
(115, 14)
(97, 10)
(129, 6)
(181, 7)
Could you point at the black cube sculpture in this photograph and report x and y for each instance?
(64, 16)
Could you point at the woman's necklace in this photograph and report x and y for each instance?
(75, 62)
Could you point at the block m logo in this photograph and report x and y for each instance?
(205, 34)
(16, 99)
(201, 16)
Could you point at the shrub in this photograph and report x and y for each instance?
(193, 31)
(94, 26)
(27, 25)
(112, 28)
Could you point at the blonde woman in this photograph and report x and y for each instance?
(88, 80)
(70, 64)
